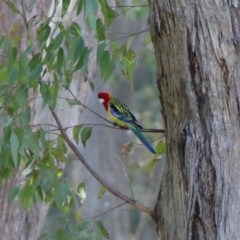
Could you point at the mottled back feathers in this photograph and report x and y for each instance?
(122, 112)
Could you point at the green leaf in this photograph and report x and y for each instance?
(20, 136)
(72, 227)
(12, 54)
(150, 167)
(28, 167)
(31, 141)
(3, 74)
(23, 65)
(72, 54)
(161, 147)
(108, 13)
(68, 78)
(104, 62)
(76, 131)
(91, 85)
(129, 41)
(36, 72)
(57, 41)
(100, 50)
(59, 234)
(85, 135)
(47, 33)
(78, 216)
(21, 95)
(3, 90)
(43, 137)
(25, 117)
(100, 30)
(91, 22)
(64, 192)
(30, 48)
(101, 229)
(79, 63)
(35, 61)
(53, 90)
(85, 63)
(25, 196)
(43, 32)
(81, 191)
(14, 148)
(12, 76)
(101, 192)
(65, 5)
(73, 102)
(126, 60)
(80, 5)
(91, 6)
(76, 29)
(78, 50)
(12, 193)
(3, 43)
(16, 40)
(60, 57)
(13, 7)
(14, 29)
(61, 144)
(7, 122)
(110, 68)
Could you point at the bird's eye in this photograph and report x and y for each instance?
(101, 100)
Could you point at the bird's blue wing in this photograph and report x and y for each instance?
(121, 112)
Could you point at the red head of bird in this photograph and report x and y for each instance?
(104, 98)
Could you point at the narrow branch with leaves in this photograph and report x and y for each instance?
(90, 169)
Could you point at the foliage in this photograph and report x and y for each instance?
(47, 65)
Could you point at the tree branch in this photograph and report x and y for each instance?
(115, 127)
(99, 179)
(87, 107)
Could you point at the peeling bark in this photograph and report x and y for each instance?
(197, 47)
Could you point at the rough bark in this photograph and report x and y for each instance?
(198, 68)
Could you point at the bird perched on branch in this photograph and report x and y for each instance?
(120, 114)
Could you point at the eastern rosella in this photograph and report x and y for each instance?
(120, 114)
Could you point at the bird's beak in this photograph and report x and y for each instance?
(101, 100)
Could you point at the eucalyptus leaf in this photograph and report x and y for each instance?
(101, 229)
(14, 147)
(85, 135)
(13, 193)
(76, 131)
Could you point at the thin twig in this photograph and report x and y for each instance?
(133, 34)
(124, 170)
(110, 210)
(131, 6)
(88, 107)
(90, 169)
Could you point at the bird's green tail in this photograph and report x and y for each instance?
(139, 134)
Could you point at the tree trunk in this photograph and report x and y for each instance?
(197, 51)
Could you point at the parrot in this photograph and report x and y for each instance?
(121, 116)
